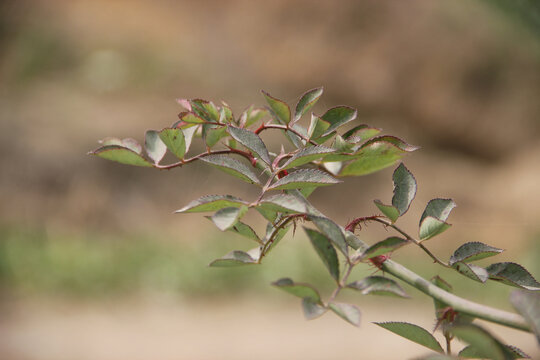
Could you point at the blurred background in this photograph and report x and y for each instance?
(94, 265)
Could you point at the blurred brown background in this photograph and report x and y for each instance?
(93, 265)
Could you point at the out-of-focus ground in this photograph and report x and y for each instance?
(94, 238)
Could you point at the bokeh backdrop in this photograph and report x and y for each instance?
(94, 265)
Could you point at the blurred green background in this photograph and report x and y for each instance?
(460, 79)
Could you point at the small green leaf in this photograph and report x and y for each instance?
(227, 217)
(190, 118)
(212, 203)
(471, 271)
(376, 155)
(237, 258)
(528, 304)
(306, 102)
(298, 289)
(246, 231)
(122, 155)
(338, 116)
(481, 340)
(304, 178)
(361, 133)
(188, 136)
(326, 251)
(404, 189)
(431, 227)
(280, 109)
(250, 140)
(439, 209)
(214, 134)
(510, 352)
(129, 143)
(473, 251)
(155, 148)
(284, 203)
(347, 312)
(307, 155)
(317, 127)
(332, 231)
(251, 116)
(383, 247)
(414, 333)
(312, 309)
(512, 274)
(378, 285)
(267, 213)
(174, 140)
(391, 212)
(205, 109)
(232, 167)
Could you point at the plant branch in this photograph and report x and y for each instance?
(342, 283)
(272, 237)
(457, 303)
(180, 163)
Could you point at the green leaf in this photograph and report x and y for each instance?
(205, 109)
(232, 166)
(307, 155)
(298, 289)
(433, 219)
(307, 101)
(414, 333)
(284, 203)
(473, 251)
(481, 340)
(326, 251)
(191, 118)
(174, 140)
(155, 148)
(280, 109)
(237, 258)
(212, 203)
(510, 352)
(214, 134)
(304, 178)
(528, 305)
(347, 312)
(251, 116)
(312, 309)
(389, 211)
(404, 189)
(332, 231)
(471, 271)
(246, 231)
(122, 155)
(432, 227)
(512, 274)
(295, 139)
(227, 217)
(188, 136)
(338, 116)
(378, 285)
(129, 143)
(383, 247)
(361, 133)
(250, 140)
(267, 213)
(376, 155)
(317, 127)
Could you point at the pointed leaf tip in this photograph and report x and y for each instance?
(279, 107)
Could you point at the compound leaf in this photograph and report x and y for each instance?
(304, 178)
(347, 312)
(280, 108)
(326, 251)
(513, 274)
(250, 140)
(306, 102)
(378, 285)
(232, 166)
(414, 333)
(298, 289)
(473, 251)
(212, 203)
